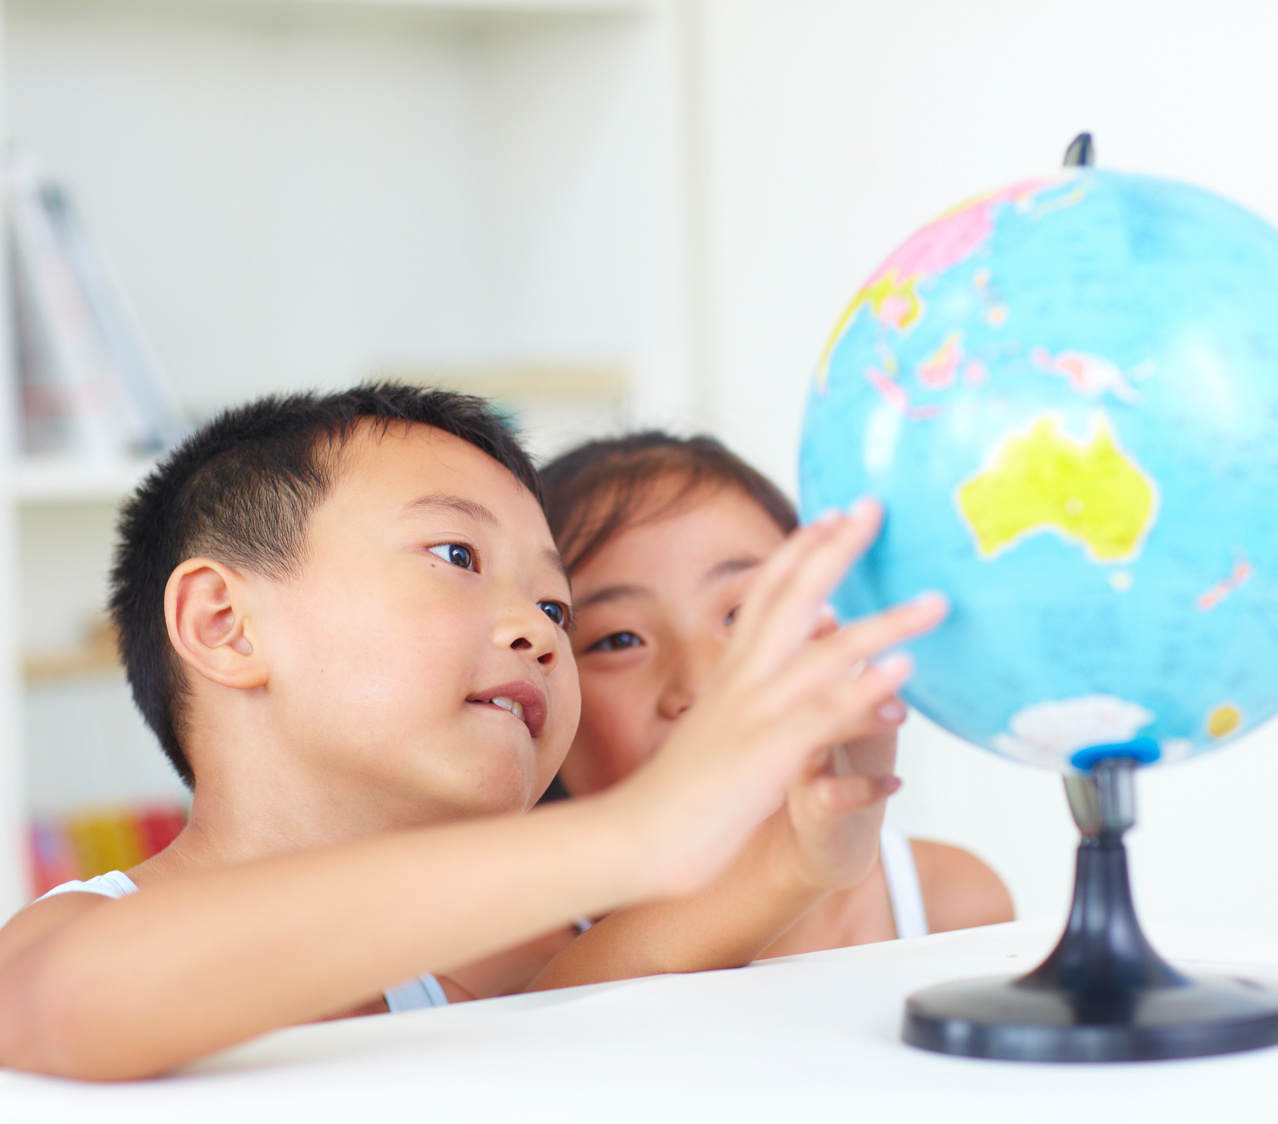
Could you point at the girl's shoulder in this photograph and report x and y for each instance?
(959, 890)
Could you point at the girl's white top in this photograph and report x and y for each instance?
(903, 884)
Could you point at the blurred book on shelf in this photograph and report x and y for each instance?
(99, 654)
(90, 385)
(102, 794)
(84, 844)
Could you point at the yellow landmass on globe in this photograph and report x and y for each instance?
(1042, 479)
(1224, 720)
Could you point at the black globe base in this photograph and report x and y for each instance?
(1011, 1019)
(1104, 994)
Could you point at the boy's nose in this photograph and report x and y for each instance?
(530, 630)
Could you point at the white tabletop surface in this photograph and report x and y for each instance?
(804, 1038)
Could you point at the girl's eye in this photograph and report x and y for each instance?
(616, 642)
(557, 611)
(455, 554)
(731, 618)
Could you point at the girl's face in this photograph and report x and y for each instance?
(654, 610)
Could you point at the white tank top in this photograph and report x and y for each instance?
(903, 884)
(424, 991)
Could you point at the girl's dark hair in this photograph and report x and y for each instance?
(240, 490)
(599, 488)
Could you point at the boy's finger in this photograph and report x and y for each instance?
(782, 614)
(797, 549)
(776, 573)
(792, 549)
(865, 638)
(849, 709)
(826, 624)
(829, 663)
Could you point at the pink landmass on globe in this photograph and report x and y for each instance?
(895, 396)
(955, 236)
(891, 289)
(1090, 375)
(895, 311)
(1223, 588)
(937, 371)
(892, 391)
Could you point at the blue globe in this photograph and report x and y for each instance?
(1065, 393)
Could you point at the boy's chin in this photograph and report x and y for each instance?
(507, 784)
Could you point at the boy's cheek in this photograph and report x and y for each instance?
(565, 713)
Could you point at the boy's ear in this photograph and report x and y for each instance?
(205, 609)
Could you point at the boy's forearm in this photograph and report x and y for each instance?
(726, 925)
(137, 987)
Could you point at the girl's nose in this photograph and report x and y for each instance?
(688, 675)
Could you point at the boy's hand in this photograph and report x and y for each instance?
(779, 701)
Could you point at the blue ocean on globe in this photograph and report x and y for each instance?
(1066, 395)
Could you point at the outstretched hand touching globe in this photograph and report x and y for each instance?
(1065, 392)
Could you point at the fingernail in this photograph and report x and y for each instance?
(932, 599)
(862, 508)
(896, 666)
(889, 784)
(892, 711)
(833, 515)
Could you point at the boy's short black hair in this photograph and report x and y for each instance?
(598, 489)
(240, 490)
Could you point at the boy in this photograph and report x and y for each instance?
(344, 617)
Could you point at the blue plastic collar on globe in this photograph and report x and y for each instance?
(1143, 750)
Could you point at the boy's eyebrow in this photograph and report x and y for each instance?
(555, 559)
(728, 567)
(612, 593)
(446, 502)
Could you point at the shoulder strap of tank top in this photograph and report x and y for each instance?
(424, 991)
(903, 884)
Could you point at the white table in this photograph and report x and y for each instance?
(805, 1038)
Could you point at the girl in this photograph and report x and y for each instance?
(661, 537)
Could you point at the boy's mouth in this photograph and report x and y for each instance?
(521, 699)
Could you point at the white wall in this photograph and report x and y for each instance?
(837, 129)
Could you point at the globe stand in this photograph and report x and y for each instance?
(1104, 994)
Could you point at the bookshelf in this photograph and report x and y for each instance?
(487, 194)
(58, 481)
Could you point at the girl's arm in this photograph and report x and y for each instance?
(826, 838)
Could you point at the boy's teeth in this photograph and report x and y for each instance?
(515, 708)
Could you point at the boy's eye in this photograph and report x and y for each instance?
(557, 611)
(731, 618)
(455, 554)
(616, 642)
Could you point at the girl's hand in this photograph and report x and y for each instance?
(833, 818)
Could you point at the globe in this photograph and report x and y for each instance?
(1065, 392)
